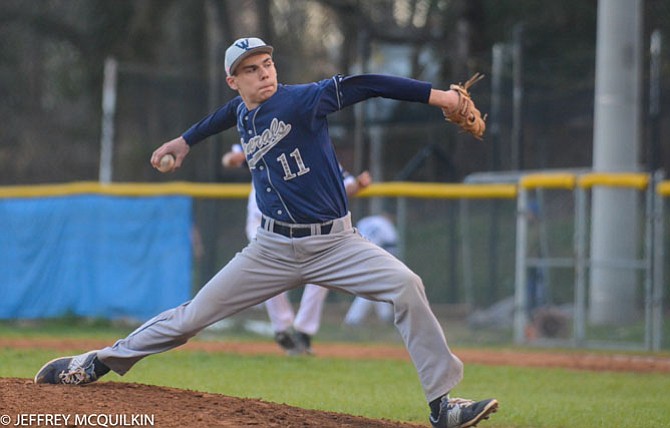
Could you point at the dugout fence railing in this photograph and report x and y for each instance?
(649, 263)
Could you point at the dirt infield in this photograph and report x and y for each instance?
(130, 404)
(126, 404)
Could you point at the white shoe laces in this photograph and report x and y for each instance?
(461, 402)
(76, 372)
(73, 377)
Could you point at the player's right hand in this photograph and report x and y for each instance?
(177, 147)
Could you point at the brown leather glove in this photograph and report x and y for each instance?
(466, 115)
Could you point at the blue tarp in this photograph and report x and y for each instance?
(94, 256)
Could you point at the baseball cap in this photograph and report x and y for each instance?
(243, 48)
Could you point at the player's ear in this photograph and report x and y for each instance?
(230, 80)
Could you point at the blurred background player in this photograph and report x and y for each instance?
(293, 330)
(379, 230)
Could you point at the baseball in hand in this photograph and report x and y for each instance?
(167, 163)
(227, 159)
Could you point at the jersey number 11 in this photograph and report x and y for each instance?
(288, 174)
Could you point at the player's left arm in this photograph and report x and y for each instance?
(362, 180)
(343, 91)
(353, 185)
(456, 103)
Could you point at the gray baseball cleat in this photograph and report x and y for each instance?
(75, 370)
(461, 413)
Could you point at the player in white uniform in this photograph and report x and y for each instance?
(306, 235)
(293, 330)
(379, 230)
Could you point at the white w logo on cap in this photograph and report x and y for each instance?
(243, 44)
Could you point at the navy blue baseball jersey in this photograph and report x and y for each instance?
(287, 146)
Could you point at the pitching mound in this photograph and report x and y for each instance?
(131, 404)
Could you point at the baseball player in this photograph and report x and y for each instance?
(293, 331)
(379, 230)
(306, 234)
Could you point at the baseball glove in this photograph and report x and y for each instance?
(466, 115)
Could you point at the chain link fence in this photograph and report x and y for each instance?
(464, 250)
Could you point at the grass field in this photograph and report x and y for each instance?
(530, 397)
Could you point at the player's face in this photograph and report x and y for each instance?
(255, 79)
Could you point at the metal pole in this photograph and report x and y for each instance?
(497, 54)
(376, 164)
(363, 47)
(468, 288)
(658, 256)
(520, 293)
(517, 98)
(654, 146)
(655, 236)
(579, 322)
(108, 111)
(208, 213)
(401, 224)
(616, 142)
(543, 238)
(359, 110)
(654, 154)
(215, 82)
(494, 245)
(452, 251)
(649, 265)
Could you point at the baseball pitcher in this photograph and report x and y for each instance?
(306, 235)
(293, 331)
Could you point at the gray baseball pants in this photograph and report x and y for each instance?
(272, 263)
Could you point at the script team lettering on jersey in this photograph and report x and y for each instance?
(259, 145)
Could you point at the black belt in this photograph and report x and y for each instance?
(296, 231)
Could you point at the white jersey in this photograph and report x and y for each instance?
(254, 215)
(380, 231)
